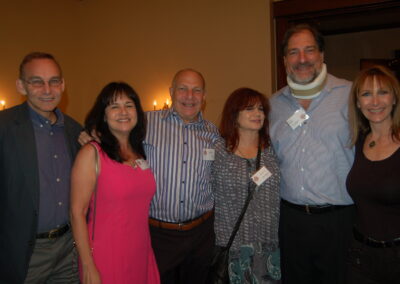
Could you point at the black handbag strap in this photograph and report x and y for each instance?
(97, 169)
(246, 204)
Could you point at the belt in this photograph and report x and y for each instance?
(313, 209)
(54, 234)
(375, 243)
(184, 226)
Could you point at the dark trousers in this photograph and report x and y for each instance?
(314, 247)
(369, 265)
(184, 257)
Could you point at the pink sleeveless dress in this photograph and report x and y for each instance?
(122, 248)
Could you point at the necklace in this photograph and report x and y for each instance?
(240, 152)
(372, 144)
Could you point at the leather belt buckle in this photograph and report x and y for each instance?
(53, 234)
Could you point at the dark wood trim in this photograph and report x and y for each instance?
(295, 7)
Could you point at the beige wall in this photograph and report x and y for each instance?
(27, 26)
(141, 42)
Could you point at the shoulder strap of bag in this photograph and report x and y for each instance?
(246, 204)
(95, 188)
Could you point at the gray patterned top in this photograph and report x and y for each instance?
(258, 231)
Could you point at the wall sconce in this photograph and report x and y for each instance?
(166, 104)
(3, 104)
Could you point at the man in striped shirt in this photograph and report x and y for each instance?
(179, 148)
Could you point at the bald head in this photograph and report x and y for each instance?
(188, 94)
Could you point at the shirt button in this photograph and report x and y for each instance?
(302, 169)
(304, 131)
(302, 188)
(51, 133)
(41, 125)
(55, 156)
(184, 162)
(303, 150)
(58, 179)
(60, 203)
(183, 182)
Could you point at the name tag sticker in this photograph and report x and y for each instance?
(208, 154)
(261, 176)
(297, 118)
(143, 164)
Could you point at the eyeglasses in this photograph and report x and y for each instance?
(39, 83)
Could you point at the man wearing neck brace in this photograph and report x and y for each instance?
(310, 134)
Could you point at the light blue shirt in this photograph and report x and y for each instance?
(314, 158)
(175, 154)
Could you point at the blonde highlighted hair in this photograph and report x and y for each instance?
(359, 124)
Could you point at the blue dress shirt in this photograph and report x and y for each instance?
(314, 158)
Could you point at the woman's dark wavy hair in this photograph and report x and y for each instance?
(236, 102)
(95, 120)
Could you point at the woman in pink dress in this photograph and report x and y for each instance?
(109, 206)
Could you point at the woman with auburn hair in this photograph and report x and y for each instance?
(254, 254)
(112, 185)
(374, 180)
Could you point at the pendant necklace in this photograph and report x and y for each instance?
(372, 144)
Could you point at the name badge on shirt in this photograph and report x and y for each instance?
(143, 164)
(297, 118)
(208, 154)
(261, 176)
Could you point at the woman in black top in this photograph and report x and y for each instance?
(374, 180)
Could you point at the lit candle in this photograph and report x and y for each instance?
(167, 102)
(154, 104)
(3, 103)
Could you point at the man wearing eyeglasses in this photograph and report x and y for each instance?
(37, 146)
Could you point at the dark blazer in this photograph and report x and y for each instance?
(19, 189)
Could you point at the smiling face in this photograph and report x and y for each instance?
(121, 115)
(303, 60)
(42, 98)
(188, 94)
(251, 118)
(376, 100)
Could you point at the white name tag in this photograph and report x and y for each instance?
(261, 176)
(297, 118)
(143, 164)
(208, 154)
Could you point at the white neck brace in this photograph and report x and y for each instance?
(310, 90)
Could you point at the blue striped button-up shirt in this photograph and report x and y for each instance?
(314, 158)
(175, 153)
